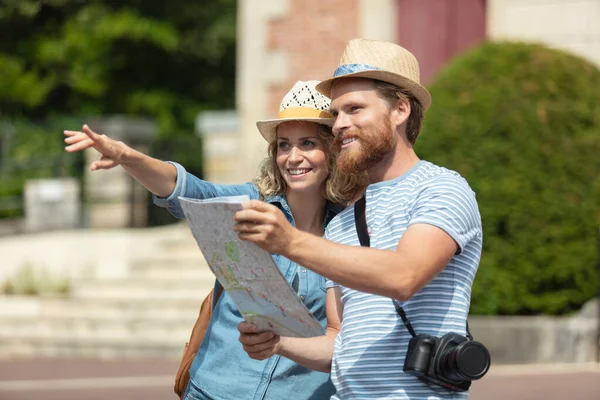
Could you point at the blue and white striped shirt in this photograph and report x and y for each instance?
(371, 347)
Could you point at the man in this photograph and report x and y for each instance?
(424, 228)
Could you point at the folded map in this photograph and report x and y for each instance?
(248, 273)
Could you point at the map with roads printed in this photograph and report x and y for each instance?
(248, 273)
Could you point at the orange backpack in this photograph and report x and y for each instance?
(191, 348)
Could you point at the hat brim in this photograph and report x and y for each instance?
(268, 127)
(420, 93)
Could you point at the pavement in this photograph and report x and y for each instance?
(81, 379)
(537, 382)
(152, 379)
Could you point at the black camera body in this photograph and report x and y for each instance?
(451, 361)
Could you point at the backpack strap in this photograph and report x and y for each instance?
(198, 331)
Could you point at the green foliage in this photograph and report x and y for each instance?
(31, 281)
(521, 123)
(165, 60)
(33, 151)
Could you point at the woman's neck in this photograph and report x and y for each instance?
(308, 210)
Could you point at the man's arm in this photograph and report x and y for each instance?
(444, 218)
(314, 353)
(422, 252)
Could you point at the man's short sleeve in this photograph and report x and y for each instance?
(448, 203)
(328, 282)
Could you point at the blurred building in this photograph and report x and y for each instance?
(280, 42)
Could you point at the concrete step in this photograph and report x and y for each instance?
(171, 266)
(183, 242)
(158, 326)
(64, 327)
(143, 303)
(171, 288)
(126, 307)
(35, 344)
(176, 238)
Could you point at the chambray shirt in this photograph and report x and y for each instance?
(222, 369)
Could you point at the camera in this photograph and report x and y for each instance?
(451, 361)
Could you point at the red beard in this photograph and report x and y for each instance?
(373, 145)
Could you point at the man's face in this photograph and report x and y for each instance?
(363, 128)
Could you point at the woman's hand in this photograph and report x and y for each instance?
(113, 153)
(258, 345)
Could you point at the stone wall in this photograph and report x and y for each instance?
(538, 339)
(281, 42)
(221, 145)
(52, 204)
(571, 25)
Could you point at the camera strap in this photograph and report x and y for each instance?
(360, 220)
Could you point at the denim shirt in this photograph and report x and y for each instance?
(222, 369)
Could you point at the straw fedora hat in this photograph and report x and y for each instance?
(383, 61)
(302, 103)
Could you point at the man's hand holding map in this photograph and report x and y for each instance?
(247, 273)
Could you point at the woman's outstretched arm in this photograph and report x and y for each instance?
(157, 176)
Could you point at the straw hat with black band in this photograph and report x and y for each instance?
(383, 61)
(302, 103)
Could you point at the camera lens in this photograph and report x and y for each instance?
(467, 361)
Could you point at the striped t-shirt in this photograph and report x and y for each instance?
(371, 347)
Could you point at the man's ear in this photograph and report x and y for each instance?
(400, 112)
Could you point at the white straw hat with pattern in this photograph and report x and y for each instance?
(302, 103)
(384, 61)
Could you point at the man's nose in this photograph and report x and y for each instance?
(341, 123)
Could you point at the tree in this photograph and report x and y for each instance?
(64, 60)
(166, 60)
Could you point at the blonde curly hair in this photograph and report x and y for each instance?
(341, 189)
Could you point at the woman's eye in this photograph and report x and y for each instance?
(283, 145)
(308, 144)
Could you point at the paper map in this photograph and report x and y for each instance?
(247, 272)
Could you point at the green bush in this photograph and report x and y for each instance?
(521, 122)
(33, 150)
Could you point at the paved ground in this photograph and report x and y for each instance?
(152, 380)
(558, 382)
(87, 380)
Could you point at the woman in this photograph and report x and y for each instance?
(299, 178)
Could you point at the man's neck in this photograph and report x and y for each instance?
(395, 164)
(308, 210)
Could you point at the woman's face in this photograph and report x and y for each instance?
(301, 156)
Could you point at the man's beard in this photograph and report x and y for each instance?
(374, 145)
